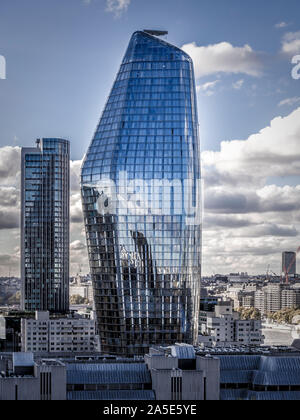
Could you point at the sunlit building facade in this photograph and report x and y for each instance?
(141, 194)
(45, 223)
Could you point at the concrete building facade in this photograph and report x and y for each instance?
(179, 374)
(45, 334)
(224, 326)
(24, 379)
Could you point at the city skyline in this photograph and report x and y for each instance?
(251, 181)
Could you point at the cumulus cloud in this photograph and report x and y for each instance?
(208, 88)
(9, 219)
(268, 229)
(10, 165)
(274, 151)
(75, 166)
(76, 208)
(271, 198)
(248, 223)
(226, 58)
(77, 246)
(291, 43)
(211, 221)
(117, 7)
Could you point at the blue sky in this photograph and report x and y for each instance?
(62, 57)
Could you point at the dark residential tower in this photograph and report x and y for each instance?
(45, 226)
(141, 202)
(289, 263)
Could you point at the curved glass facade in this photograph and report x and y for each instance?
(141, 202)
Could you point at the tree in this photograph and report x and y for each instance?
(284, 316)
(249, 314)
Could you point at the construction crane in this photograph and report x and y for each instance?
(268, 271)
(286, 271)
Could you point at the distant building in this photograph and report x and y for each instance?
(223, 326)
(111, 380)
(289, 263)
(274, 297)
(247, 300)
(44, 334)
(84, 290)
(45, 223)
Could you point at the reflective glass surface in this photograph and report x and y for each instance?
(141, 200)
(45, 226)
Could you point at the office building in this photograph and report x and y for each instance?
(289, 263)
(45, 226)
(57, 335)
(141, 195)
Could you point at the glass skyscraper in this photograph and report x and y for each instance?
(45, 224)
(141, 200)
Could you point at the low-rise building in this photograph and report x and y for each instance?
(22, 378)
(224, 326)
(179, 374)
(109, 380)
(83, 289)
(251, 377)
(45, 334)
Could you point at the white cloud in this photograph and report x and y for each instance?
(274, 151)
(10, 165)
(247, 223)
(224, 57)
(282, 25)
(208, 88)
(75, 166)
(291, 43)
(77, 246)
(290, 101)
(239, 84)
(117, 7)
